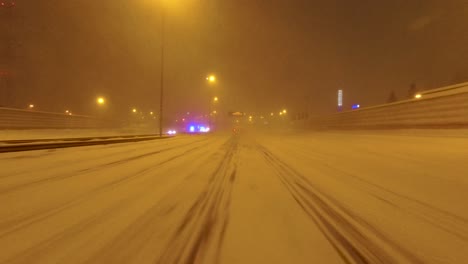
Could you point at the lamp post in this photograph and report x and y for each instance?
(213, 112)
(211, 80)
(161, 91)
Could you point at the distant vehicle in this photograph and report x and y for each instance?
(197, 128)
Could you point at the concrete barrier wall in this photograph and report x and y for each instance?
(24, 119)
(443, 107)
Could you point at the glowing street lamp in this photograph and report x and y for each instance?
(100, 100)
(134, 110)
(418, 96)
(284, 111)
(31, 106)
(211, 78)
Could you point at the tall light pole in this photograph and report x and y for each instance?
(213, 111)
(211, 80)
(161, 91)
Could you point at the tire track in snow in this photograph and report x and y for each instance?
(94, 169)
(442, 219)
(109, 156)
(12, 225)
(354, 239)
(205, 223)
(32, 254)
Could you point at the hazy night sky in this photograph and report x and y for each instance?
(267, 54)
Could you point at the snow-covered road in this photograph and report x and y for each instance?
(343, 197)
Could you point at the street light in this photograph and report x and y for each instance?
(211, 78)
(134, 110)
(284, 111)
(31, 106)
(418, 96)
(163, 7)
(100, 100)
(161, 91)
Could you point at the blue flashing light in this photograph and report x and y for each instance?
(355, 106)
(198, 128)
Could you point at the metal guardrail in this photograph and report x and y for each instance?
(26, 145)
(443, 107)
(37, 140)
(25, 119)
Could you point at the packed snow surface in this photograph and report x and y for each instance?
(252, 197)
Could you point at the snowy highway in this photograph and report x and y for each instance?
(254, 197)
